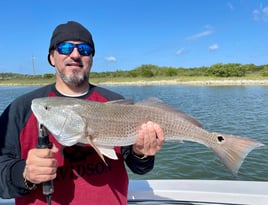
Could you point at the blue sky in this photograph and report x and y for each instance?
(129, 33)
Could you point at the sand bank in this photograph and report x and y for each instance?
(193, 82)
(223, 82)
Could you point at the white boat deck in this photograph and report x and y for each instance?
(194, 192)
(198, 192)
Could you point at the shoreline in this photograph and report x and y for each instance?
(223, 82)
(192, 82)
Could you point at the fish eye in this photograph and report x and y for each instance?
(46, 107)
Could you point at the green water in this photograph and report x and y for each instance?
(239, 110)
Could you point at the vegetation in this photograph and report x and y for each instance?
(216, 70)
(153, 72)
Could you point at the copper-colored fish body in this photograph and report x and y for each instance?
(105, 125)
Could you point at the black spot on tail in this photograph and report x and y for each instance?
(220, 138)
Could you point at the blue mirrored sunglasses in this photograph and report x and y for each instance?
(67, 48)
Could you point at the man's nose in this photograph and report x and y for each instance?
(75, 53)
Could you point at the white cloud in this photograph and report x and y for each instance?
(207, 32)
(110, 58)
(256, 14)
(260, 14)
(265, 13)
(180, 51)
(230, 6)
(213, 47)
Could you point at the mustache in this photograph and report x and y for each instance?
(77, 62)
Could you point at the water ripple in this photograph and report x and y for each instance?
(239, 110)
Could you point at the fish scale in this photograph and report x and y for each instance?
(105, 125)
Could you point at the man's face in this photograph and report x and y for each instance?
(73, 69)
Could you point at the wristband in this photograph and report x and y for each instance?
(139, 156)
(28, 185)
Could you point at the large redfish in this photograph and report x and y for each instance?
(105, 125)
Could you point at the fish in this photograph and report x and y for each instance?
(116, 123)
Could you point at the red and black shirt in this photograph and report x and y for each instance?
(82, 177)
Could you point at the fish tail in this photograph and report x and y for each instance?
(232, 150)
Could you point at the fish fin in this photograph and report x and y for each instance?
(155, 102)
(129, 101)
(108, 152)
(232, 150)
(96, 149)
(177, 141)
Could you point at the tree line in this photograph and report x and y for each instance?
(150, 71)
(216, 70)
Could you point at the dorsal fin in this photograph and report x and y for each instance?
(155, 102)
(129, 101)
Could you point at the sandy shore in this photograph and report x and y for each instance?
(197, 82)
(171, 82)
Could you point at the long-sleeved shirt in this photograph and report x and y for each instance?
(82, 177)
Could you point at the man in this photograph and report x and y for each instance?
(79, 174)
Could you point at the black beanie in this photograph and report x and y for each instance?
(71, 31)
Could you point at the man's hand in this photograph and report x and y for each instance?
(41, 166)
(150, 139)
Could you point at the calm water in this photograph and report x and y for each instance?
(239, 110)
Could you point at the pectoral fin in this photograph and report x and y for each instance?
(96, 148)
(102, 150)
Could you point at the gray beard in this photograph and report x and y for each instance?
(74, 80)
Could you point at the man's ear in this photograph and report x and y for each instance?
(51, 58)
